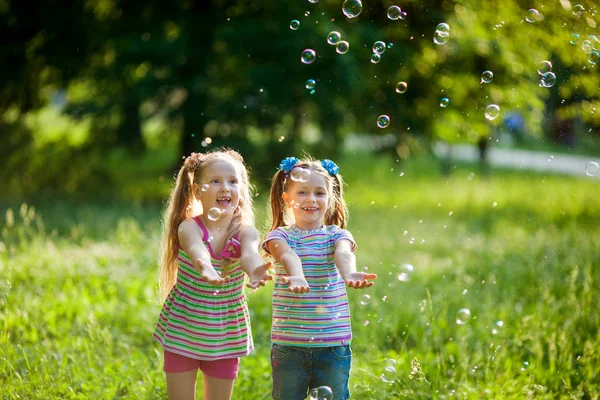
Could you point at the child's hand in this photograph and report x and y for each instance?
(298, 284)
(208, 273)
(359, 280)
(259, 276)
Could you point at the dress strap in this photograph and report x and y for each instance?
(205, 234)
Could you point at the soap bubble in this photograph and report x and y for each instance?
(548, 79)
(295, 24)
(532, 15)
(406, 271)
(334, 37)
(393, 13)
(544, 66)
(205, 187)
(378, 47)
(352, 8)
(308, 56)
(389, 371)
(487, 76)
(440, 38)
(586, 46)
(365, 299)
(403, 15)
(578, 9)
(375, 58)
(321, 393)
(310, 84)
(592, 169)
(462, 316)
(214, 213)
(383, 121)
(444, 102)
(401, 87)
(300, 174)
(443, 27)
(575, 38)
(594, 57)
(342, 47)
(492, 111)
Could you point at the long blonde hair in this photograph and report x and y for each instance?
(337, 212)
(181, 207)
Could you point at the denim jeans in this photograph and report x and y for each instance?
(296, 370)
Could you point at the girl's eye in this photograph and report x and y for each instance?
(214, 181)
(234, 182)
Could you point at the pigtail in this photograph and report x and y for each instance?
(178, 210)
(277, 208)
(337, 214)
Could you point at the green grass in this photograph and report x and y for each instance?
(78, 296)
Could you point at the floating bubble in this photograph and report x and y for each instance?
(587, 47)
(393, 13)
(308, 56)
(594, 42)
(403, 15)
(375, 58)
(307, 13)
(443, 27)
(548, 79)
(365, 299)
(544, 66)
(525, 365)
(342, 47)
(463, 316)
(378, 47)
(383, 121)
(295, 24)
(352, 8)
(440, 38)
(487, 76)
(389, 371)
(492, 111)
(406, 271)
(204, 187)
(214, 213)
(321, 393)
(592, 169)
(444, 102)
(401, 87)
(390, 45)
(578, 9)
(300, 174)
(334, 37)
(532, 15)
(594, 57)
(310, 84)
(575, 38)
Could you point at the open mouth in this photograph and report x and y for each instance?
(310, 209)
(224, 201)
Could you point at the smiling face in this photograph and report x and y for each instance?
(219, 187)
(308, 200)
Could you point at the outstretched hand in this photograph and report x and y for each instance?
(359, 280)
(297, 284)
(259, 276)
(209, 274)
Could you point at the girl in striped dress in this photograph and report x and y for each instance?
(209, 242)
(311, 330)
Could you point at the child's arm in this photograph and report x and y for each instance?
(345, 261)
(190, 237)
(251, 261)
(283, 254)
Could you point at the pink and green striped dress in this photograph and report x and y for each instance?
(204, 321)
(320, 318)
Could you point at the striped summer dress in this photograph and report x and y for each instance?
(204, 321)
(320, 318)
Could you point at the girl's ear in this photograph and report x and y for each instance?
(286, 199)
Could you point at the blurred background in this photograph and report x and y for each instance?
(468, 132)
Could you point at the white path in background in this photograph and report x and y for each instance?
(522, 159)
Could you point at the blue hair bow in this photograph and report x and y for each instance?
(287, 164)
(330, 166)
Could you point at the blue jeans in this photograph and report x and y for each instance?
(296, 370)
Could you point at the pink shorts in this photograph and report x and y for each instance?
(226, 368)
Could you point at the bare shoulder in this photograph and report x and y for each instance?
(249, 233)
(189, 227)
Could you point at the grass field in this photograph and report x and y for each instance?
(78, 296)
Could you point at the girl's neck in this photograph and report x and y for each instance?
(309, 226)
(219, 225)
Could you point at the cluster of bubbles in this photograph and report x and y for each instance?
(394, 13)
(334, 38)
(592, 169)
(532, 16)
(310, 85)
(547, 77)
(383, 121)
(378, 50)
(300, 174)
(389, 371)
(352, 8)
(214, 213)
(463, 316)
(442, 34)
(591, 47)
(321, 393)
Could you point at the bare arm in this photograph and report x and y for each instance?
(345, 261)
(190, 237)
(251, 261)
(284, 255)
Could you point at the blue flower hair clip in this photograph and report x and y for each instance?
(330, 166)
(287, 164)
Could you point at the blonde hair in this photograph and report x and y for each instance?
(337, 212)
(181, 207)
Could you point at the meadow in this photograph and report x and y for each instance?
(521, 252)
